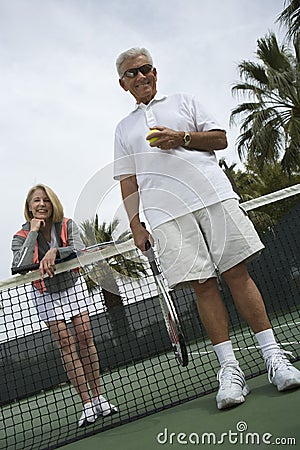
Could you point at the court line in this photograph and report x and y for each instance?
(251, 347)
(239, 349)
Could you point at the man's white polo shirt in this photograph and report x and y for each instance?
(171, 183)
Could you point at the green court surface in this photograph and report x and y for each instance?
(144, 390)
(268, 419)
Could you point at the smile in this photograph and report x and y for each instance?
(142, 83)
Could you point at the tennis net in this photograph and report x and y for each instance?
(139, 373)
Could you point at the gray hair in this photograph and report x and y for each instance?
(132, 53)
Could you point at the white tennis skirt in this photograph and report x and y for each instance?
(62, 305)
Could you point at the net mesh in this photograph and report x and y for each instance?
(139, 373)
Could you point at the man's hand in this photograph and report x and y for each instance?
(141, 236)
(205, 141)
(167, 138)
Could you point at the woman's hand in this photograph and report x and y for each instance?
(47, 264)
(36, 224)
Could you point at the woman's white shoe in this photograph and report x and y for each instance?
(88, 416)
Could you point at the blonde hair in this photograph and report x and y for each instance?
(58, 211)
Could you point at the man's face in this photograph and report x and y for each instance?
(142, 87)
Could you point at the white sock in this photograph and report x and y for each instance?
(266, 341)
(101, 400)
(224, 352)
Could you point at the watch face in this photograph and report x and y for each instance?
(187, 139)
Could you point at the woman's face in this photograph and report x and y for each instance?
(40, 205)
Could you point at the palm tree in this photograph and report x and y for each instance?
(290, 17)
(251, 183)
(270, 130)
(104, 274)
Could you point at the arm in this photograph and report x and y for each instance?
(201, 140)
(23, 249)
(47, 264)
(74, 240)
(131, 199)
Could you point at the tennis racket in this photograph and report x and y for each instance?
(35, 266)
(169, 312)
(107, 247)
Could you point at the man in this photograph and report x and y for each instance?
(195, 218)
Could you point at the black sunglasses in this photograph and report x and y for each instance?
(132, 73)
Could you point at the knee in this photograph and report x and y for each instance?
(238, 272)
(65, 342)
(206, 287)
(85, 338)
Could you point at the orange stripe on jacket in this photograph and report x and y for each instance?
(39, 284)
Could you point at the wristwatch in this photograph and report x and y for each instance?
(186, 139)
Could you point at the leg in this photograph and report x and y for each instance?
(251, 307)
(213, 314)
(247, 297)
(212, 311)
(90, 362)
(71, 362)
(88, 351)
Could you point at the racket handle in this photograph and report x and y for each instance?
(30, 267)
(151, 255)
(24, 269)
(147, 243)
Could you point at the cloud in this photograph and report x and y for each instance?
(60, 100)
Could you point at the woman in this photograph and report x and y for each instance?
(45, 237)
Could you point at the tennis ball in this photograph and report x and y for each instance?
(154, 139)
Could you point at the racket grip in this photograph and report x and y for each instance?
(30, 267)
(25, 268)
(147, 243)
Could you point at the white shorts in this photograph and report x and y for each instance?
(190, 247)
(62, 305)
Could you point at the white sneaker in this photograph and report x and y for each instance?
(281, 371)
(88, 416)
(103, 407)
(233, 387)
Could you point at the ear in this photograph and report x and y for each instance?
(155, 73)
(123, 85)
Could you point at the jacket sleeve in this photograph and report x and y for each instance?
(74, 239)
(23, 249)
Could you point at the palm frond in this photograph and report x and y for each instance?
(273, 56)
(290, 17)
(242, 110)
(253, 72)
(270, 121)
(105, 273)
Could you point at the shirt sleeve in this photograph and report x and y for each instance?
(124, 162)
(204, 120)
(23, 249)
(74, 239)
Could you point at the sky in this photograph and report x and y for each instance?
(60, 99)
